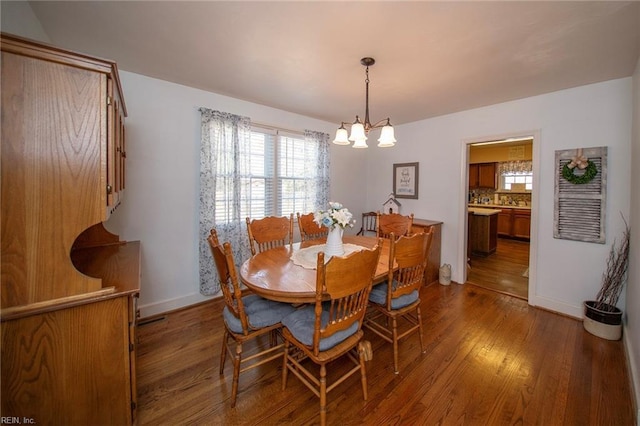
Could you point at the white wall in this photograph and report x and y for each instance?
(632, 325)
(161, 207)
(17, 17)
(568, 272)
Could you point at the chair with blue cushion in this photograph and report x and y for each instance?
(309, 230)
(331, 327)
(269, 232)
(399, 296)
(395, 223)
(245, 317)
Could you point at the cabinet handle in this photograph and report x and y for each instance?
(109, 189)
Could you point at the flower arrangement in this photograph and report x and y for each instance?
(337, 215)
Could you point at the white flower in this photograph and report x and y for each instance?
(337, 215)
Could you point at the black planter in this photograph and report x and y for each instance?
(605, 321)
(607, 314)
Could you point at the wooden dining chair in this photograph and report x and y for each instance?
(270, 232)
(309, 230)
(369, 221)
(394, 223)
(399, 296)
(245, 317)
(332, 326)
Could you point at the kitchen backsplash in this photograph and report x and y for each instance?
(488, 196)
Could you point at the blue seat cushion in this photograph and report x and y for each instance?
(379, 295)
(260, 313)
(301, 324)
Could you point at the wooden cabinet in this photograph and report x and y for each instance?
(504, 223)
(69, 287)
(433, 265)
(483, 234)
(515, 223)
(474, 176)
(522, 224)
(483, 175)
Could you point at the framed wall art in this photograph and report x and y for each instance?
(405, 180)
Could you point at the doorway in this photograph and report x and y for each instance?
(499, 203)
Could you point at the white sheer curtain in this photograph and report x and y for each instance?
(221, 185)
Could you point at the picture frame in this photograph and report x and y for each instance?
(405, 180)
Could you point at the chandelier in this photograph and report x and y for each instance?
(360, 130)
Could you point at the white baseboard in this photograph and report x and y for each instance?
(559, 307)
(172, 304)
(635, 379)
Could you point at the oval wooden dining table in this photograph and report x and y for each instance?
(273, 275)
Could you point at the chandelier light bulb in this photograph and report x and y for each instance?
(341, 136)
(387, 137)
(357, 132)
(360, 143)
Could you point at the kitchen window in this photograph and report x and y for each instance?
(511, 181)
(516, 175)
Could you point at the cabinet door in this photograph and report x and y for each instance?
(115, 149)
(75, 369)
(487, 175)
(473, 176)
(504, 223)
(522, 223)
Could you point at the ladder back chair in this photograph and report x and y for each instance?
(270, 232)
(399, 296)
(369, 221)
(245, 317)
(309, 230)
(329, 329)
(394, 223)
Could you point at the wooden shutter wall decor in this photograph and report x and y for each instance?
(579, 211)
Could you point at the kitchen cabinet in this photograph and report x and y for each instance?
(483, 175)
(504, 223)
(432, 273)
(69, 287)
(522, 224)
(483, 231)
(515, 223)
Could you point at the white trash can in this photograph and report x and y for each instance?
(445, 274)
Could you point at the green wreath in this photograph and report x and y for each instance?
(589, 173)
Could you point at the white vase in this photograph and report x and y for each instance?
(334, 246)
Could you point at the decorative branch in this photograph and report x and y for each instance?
(614, 277)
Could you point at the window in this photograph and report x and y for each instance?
(514, 174)
(509, 179)
(282, 173)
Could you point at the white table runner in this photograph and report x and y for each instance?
(308, 257)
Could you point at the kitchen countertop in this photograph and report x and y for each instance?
(479, 211)
(498, 206)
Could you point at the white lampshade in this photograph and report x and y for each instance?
(357, 132)
(341, 136)
(360, 143)
(387, 138)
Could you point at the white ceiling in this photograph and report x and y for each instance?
(432, 58)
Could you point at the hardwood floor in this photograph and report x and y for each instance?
(503, 270)
(490, 359)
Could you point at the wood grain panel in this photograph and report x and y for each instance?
(67, 366)
(51, 192)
